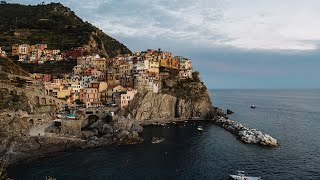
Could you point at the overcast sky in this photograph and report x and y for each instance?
(233, 43)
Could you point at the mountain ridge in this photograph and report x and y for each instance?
(55, 25)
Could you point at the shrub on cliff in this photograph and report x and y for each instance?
(195, 76)
(13, 101)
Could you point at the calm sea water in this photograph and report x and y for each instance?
(291, 116)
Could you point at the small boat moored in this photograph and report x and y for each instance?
(253, 106)
(157, 140)
(242, 176)
(199, 128)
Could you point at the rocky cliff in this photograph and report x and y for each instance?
(18, 145)
(178, 99)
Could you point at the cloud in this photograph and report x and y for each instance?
(243, 24)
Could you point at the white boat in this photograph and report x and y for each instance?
(253, 106)
(242, 176)
(199, 128)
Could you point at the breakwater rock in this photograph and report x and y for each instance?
(245, 134)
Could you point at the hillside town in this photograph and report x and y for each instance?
(40, 53)
(113, 82)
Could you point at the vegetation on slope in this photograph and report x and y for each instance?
(55, 25)
(7, 66)
(54, 68)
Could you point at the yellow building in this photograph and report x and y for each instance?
(113, 89)
(153, 70)
(100, 64)
(163, 63)
(64, 92)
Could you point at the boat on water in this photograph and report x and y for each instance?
(50, 178)
(253, 106)
(199, 128)
(163, 125)
(157, 140)
(242, 176)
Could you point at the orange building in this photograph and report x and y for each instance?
(90, 96)
(173, 63)
(15, 49)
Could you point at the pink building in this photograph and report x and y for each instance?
(123, 99)
(73, 53)
(90, 96)
(47, 78)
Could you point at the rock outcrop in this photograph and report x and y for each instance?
(229, 111)
(16, 143)
(192, 101)
(245, 134)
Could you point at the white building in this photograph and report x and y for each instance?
(2, 53)
(85, 81)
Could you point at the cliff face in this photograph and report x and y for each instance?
(176, 101)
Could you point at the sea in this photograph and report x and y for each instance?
(290, 116)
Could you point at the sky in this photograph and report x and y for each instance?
(234, 44)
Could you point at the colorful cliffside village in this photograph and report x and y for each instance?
(40, 53)
(97, 81)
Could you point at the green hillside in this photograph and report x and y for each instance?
(55, 25)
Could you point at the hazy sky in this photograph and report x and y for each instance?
(233, 43)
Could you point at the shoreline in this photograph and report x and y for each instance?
(45, 154)
(168, 121)
(80, 144)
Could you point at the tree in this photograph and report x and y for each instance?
(78, 101)
(4, 2)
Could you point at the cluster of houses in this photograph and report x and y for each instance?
(39, 53)
(97, 81)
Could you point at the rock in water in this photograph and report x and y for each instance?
(245, 134)
(229, 111)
